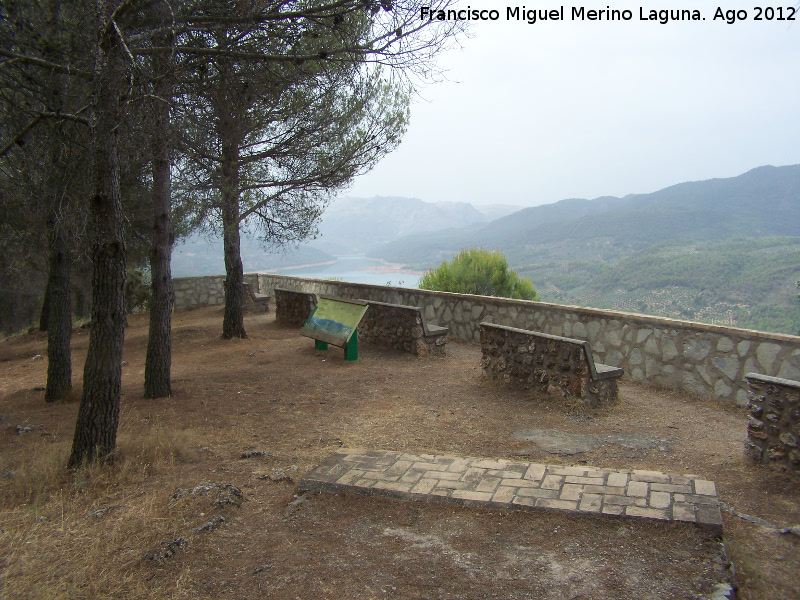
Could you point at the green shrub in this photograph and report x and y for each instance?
(479, 271)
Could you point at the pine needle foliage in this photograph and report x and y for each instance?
(479, 271)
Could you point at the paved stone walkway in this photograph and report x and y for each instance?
(522, 485)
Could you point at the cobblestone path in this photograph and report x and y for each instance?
(518, 485)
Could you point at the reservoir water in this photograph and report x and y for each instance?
(356, 269)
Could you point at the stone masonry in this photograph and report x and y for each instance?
(548, 364)
(293, 308)
(708, 361)
(253, 301)
(402, 328)
(773, 433)
(192, 292)
(498, 483)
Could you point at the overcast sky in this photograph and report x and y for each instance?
(533, 114)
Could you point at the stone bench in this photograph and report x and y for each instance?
(402, 328)
(253, 301)
(773, 433)
(292, 307)
(548, 363)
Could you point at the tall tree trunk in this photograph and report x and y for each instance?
(159, 341)
(98, 416)
(56, 318)
(59, 327)
(233, 320)
(44, 316)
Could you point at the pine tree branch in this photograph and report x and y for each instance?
(17, 139)
(38, 62)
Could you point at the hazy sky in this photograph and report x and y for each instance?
(534, 113)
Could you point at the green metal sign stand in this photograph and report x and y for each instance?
(335, 321)
(351, 347)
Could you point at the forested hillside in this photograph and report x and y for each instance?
(720, 251)
(746, 283)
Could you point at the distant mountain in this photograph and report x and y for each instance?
(761, 202)
(350, 226)
(682, 251)
(356, 225)
(495, 211)
(422, 250)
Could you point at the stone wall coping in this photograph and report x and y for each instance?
(595, 312)
(277, 289)
(773, 380)
(364, 286)
(179, 279)
(405, 306)
(345, 300)
(549, 336)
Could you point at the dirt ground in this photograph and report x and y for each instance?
(259, 413)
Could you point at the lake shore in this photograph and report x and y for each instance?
(356, 269)
(383, 267)
(387, 267)
(306, 266)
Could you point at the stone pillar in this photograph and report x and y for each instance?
(773, 433)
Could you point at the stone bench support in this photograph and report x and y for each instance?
(402, 328)
(292, 307)
(547, 363)
(254, 301)
(773, 433)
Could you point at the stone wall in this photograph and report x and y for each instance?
(773, 433)
(705, 360)
(292, 307)
(547, 364)
(191, 292)
(401, 327)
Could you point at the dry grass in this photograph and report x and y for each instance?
(79, 534)
(115, 531)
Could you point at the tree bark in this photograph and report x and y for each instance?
(59, 326)
(44, 316)
(159, 342)
(98, 416)
(233, 319)
(56, 317)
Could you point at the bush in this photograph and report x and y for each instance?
(137, 291)
(479, 271)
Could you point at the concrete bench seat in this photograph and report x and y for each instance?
(255, 301)
(402, 328)
(547, 363)
(293, 307)
(602, 371)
